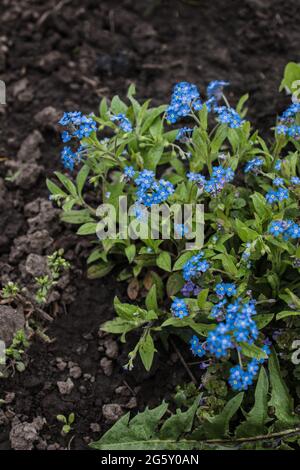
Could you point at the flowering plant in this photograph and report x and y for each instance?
(229, 295)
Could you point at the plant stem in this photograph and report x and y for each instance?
(287, 432)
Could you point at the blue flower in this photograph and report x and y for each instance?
(278, 181)
(224, 289)
(229, 116)
(287, 228)
(65, 136)
(129, 172)
(196, 177)
(184, 133)
(150, 191)
(290, 113)
(69, 158)
(179, 308)
(254, 164)
(271, 197)
(189, 289)
(194, 267)
(277, 165)
(185, 97)
(122, 121)
(295, 180)
(196, 347)
(215, 89)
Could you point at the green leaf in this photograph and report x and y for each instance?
(260, 206)
(152, 158)
(179, 423)
(202, 298)
(182, 260)
(54, 189)
(87, 229)
(175, 283)
(141, 433)
(287, 313)
(201, 329)
(263, 319)
(81, 178)
(133, 312)
(96, 271)
(67, 184)
(164, 261)
(280, 397)
(291, 75)
(218, 426)
(130, 252)
(228, 263)
(245, 233)
(258, 416)
(151, 299)
(253, 351)
(120, 326)
(147, 350)
(76, 216)
(117, 106)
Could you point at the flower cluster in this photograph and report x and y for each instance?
(190, 288)
(184, 134)
(253, 165)
(235, 326)
(122, 121)
(129, 172)
(287, 125)
(196, 347)
(215, 89)
(295, 180)
(220, 176)
(240, 379)
(150, 191)
(229, 116)
(194, 267)
(179, 308)
(79, 127)
(224, 288)
(285, 228)
(278, 195)
(185, 98)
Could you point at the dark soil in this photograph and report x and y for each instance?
(57, 56)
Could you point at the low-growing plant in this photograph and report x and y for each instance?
(67, 422)
(243, 285)
(17, 349)
(238, 425)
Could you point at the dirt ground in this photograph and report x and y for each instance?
(62, 56)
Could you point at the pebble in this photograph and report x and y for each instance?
(65, 388)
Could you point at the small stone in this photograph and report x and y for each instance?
(107, 366)
(95, 427)
(111, 348)
(65, 388)
(35, 265)
(11, 321)
(123, 391)
(48, 118)
(30, 149)
(9, 397)
(75, 372)
(112, 412)
(54, 446)
(60, 364)
(132, 403)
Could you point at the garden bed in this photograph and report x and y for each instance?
(55, 59)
